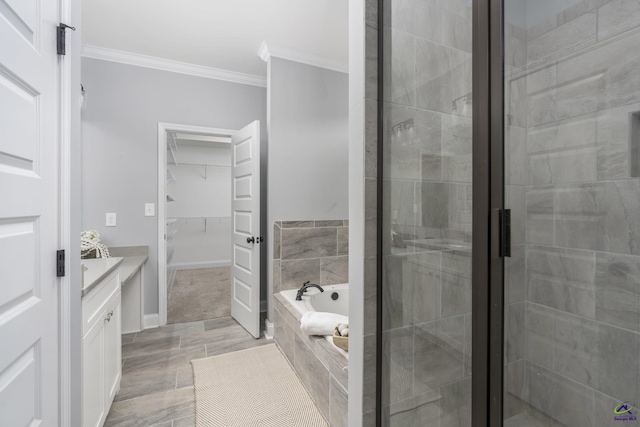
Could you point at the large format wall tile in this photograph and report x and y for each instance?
(562, 279)
(560, 398)
(414, 136)
(598, 355)
(599, 216)
(618, 290)
(581, 31)
(422, 273)
(397, 364)
(435, 362)
(313, 374)
(334, 270)
(616, 16)
(514, 331)
(613, 143)
(540, 213)
(295, 272)
(540, 335)
(455, 406)
(399, 69)
(444, 77)
(563, 152)
(308, 243)
(456, 148)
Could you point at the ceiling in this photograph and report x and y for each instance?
(222, 34)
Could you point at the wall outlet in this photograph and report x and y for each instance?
(111, 219)
(149, 209)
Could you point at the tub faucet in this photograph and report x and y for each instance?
(306, 285)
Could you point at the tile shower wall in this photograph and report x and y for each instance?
(426, 375)
(317, 251)
(573, 284)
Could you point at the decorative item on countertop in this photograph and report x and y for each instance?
(341, 336)
(90, 246)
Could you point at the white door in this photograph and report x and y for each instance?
(245, 216)
(29, 384)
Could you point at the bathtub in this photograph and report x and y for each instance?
(314, 300)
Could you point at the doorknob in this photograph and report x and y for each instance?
(251, 239)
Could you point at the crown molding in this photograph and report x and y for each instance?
(139, 60)
(268, 50)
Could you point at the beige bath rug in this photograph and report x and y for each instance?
(255, 387)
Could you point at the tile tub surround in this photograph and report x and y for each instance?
(317, 251)
(341, 306)
(322, 368)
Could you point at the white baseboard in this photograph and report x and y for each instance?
(268, 329)
(151, 320)
(196, 265)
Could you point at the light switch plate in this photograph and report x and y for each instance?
(111, 219)
(149, 209)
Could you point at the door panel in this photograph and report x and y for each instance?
(245, 206)
(29, 387)
(426, 214)
(572, 284)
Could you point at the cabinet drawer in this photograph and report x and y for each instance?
(93, 304)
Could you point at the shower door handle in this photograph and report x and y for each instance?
(501, 233)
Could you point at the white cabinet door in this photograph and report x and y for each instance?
(245, 212)
(93, 375)
(29, 205)
(113, 350)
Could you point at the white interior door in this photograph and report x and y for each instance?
(29, 384)
(245, 217)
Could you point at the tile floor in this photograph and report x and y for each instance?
(157, 385)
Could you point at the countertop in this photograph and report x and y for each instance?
(96, 270)
(130, 265)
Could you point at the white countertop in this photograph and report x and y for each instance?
(96, 270)
(130, 265)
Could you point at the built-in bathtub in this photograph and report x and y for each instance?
(334, 299)
(321, 365)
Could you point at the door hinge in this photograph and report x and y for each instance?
(61, 38)
(60, 261)
(501, 233)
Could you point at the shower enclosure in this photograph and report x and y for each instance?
(509, 200)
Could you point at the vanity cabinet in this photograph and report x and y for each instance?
(101, 349)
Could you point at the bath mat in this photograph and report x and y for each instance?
(255, 387)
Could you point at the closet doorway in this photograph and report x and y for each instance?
(196, 232)
(197, 222)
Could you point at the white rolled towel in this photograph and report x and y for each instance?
(319, 323)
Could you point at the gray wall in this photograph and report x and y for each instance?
(308, 145)
(119, 143)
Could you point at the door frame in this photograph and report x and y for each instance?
(163, 128)
(70, 218)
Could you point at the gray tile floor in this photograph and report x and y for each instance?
(157, 383)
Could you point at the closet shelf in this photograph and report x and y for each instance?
(170, 178)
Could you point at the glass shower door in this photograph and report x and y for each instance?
(572, 285)
(426, 211)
